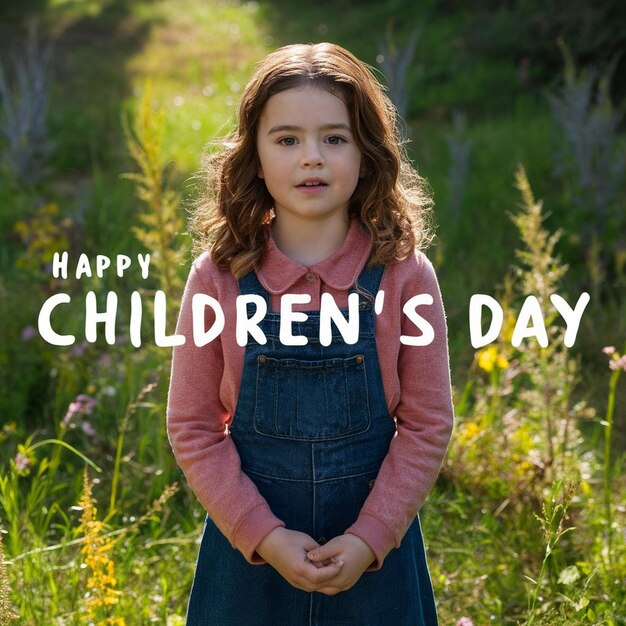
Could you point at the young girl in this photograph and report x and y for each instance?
(312, 454)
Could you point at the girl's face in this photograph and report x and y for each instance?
(309, 159)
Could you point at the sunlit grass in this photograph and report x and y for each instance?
(199, 57)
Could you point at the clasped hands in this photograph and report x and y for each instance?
(304, 564)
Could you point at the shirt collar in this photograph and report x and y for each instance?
(278, 272)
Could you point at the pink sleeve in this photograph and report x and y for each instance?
(424, 417)
(196, 423)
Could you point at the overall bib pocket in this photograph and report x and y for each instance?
(311, 400)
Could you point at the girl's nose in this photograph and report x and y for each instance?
(312, 156)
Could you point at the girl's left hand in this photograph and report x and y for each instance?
(355, 554)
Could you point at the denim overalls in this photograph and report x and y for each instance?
(312, 428)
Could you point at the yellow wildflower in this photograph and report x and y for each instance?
(7, 614)
(488, 358)
(101, 594)
(42, 236)
(467, 432)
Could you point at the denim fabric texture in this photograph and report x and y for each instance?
(312, 428)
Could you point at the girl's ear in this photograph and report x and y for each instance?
(260, 172)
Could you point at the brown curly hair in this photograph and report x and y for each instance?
(391, 201)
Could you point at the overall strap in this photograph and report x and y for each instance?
(368, 282)
(250, 284)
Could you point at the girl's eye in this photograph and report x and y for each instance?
(287, 141)
(335, 140)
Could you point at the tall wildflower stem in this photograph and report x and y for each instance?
(137, 402)
(553, 516)
(608, 439)
(160, 222)
(101, 593)
(7, 614)
(118, 461)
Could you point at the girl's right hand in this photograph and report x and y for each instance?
(286, 551)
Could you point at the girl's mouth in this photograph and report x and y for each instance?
(311, 188)
(313, 184)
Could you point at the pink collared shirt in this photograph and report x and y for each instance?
(205, 385)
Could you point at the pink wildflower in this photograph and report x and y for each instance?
(87, 402)
(88, 429)
(618, 364)
(22, 463)
(105, 360)
(82, 405)
(78, 349)
(28, 333)
(608, 349)
(464, 621)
